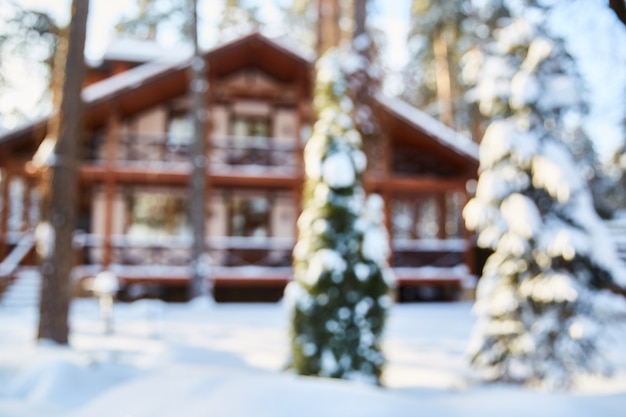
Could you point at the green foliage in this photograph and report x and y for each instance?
(340, 295)
(28, 42)
(237, 19)
(155, 16)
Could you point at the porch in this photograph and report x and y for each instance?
(258, 268)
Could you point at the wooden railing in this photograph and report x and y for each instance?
(9, 265)
(224, 150)
(176, 251)
(417, 253)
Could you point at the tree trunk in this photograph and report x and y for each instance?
(444, 78)
(619, 7)
(198, 286)
(328, 32)
(60, 212)
(360, 16)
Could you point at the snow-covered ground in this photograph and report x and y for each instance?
(198, 359)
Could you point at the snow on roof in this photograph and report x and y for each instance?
(141, 51)
(131, 79)
(288, 46)
(449, 138)
(139, 75)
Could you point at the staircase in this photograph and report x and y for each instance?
(24, 291)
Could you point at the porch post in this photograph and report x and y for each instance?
(110, 186)
(4, 216)
(469, 256)
(28, 202)
(299, 159)
(441, 214)
(386, 189)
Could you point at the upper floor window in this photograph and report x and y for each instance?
(249, 216)
(179, 129)
(250, 140)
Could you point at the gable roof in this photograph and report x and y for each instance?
(440, 137)
(141, 87)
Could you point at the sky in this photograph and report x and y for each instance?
(103, 14)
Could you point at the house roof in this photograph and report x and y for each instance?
(439, 134)
(141, 87)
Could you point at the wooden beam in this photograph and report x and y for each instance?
(110, 185)
(4, 215)
(28, 189)
(412, 184)
(441, 215)
(469, 256)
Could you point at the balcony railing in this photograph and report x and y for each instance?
(176, 251)
(418, 253)
(224, 151)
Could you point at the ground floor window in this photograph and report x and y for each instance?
(249, 215)
(158, 213)
(432, 216)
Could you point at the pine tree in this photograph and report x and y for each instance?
(237, 19)
(543, 299)
(154, 17)
(440, 35)
(300, 18)
(340, 293)
(28, 43)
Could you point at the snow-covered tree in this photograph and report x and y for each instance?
(544, 296)
(340, 293)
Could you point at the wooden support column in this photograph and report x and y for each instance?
(441, 214)
(28, 201)
(387, 191)
(469, 255)
(4, 215)
(299, 160)
(110, 186)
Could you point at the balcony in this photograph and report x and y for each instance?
(226, 153)
(166, 260)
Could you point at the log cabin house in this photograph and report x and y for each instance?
(135, 173)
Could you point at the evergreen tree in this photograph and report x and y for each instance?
(543, 298)
(154, 17)
(300, 18)
(440, 35)
(340, 293)
(237, 19)
(435, 48)
(28, 42)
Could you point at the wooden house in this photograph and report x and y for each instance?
(135, 174)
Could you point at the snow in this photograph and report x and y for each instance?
(226, 360)
(436, 130)
(338, 170)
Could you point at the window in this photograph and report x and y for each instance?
(454, 219)
(179, 130)
(250, 140)
(249, 216)
(415, 218)
(428, 217)
(158, 214)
